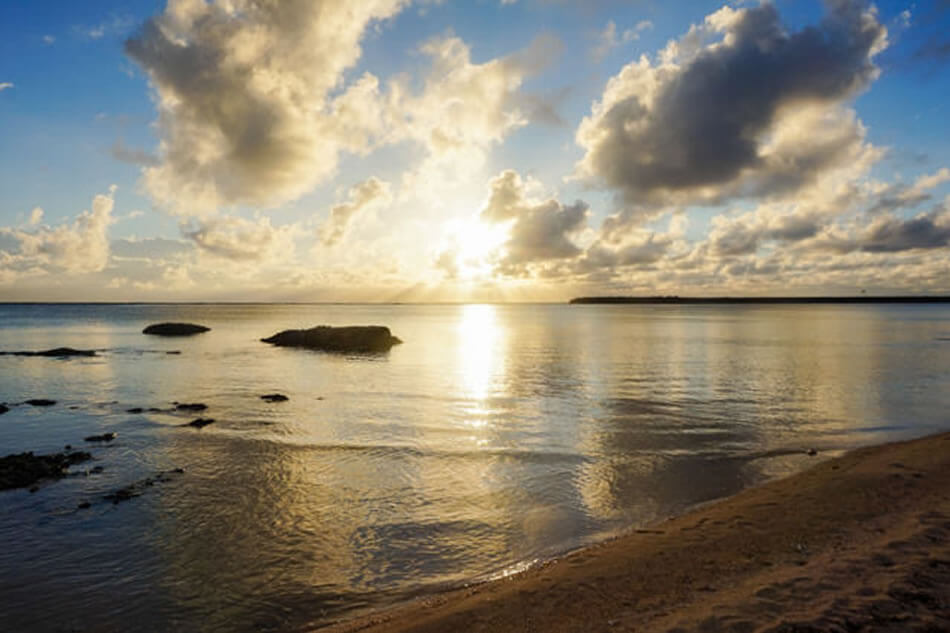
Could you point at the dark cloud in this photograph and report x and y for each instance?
(540, 230)
(705, 122)
(892, 234)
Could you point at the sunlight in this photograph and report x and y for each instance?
(477, 247)
(478, 359)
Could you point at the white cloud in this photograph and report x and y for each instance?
(49, 40)
(79, 247)
(5, 85)
(609, 39)
(372, 193)
(241, 240)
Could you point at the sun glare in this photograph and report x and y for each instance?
(477, 247)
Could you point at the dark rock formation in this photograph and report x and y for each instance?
(200, 423)
(356, 338)
(175, 329)
(3, 409)
(40, 402)
(105, 437)
(59, 352)
(190, 407)
(135, 489)
(275, 397)
(135, 410)
(26, 469)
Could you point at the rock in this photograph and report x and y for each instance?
(59, 352)
(356, 338)
(175, 329)
(40, 402)
(105, 437)
(275, 397)
(3, 409)
(135, 410)
(200, 423)
(135, 489)
(812, 452)
(191, 407)
(25, 469)
(83, 505)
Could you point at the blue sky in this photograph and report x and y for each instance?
(439, 150)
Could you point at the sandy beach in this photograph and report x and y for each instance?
(856, 543)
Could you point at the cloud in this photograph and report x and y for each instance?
(6, 85)
(79, 247)
(737, 106)
(152, 248)
(36, 216)
(608, 39)
(49, 40)
(132, 155)
(464, 107)
(117, 25)
(241, 240)
(242, 93)
(368, 194)
(892, 234)
(902, 196)
(540, 230)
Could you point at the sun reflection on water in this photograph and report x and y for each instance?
(480, 358)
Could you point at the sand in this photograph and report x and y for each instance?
(856, 543)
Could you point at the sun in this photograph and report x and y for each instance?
(477, 246)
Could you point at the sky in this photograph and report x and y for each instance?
(487, 150)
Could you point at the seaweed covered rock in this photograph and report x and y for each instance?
(25, 469)
(354, 338)
(200, 423)
(194, 406)
(40, 402)
(175, 329)
(58, 352)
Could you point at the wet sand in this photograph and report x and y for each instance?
(856, 543)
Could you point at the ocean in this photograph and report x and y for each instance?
(493, 438)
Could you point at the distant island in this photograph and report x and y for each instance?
(673, 299)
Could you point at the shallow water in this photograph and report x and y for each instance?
(496, 436)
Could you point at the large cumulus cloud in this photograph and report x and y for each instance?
(242, 88)
(738, 106)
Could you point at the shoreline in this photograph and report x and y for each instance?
(856, 542)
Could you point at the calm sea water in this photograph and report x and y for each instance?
(495, 437)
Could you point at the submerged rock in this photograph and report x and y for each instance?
(105, 437)
(137, 488)
(197, 406)
(175, 329)
(40, 402)
(200, 423)
(25, 469)
(354, 338)
(59, 352)
(275, 397)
